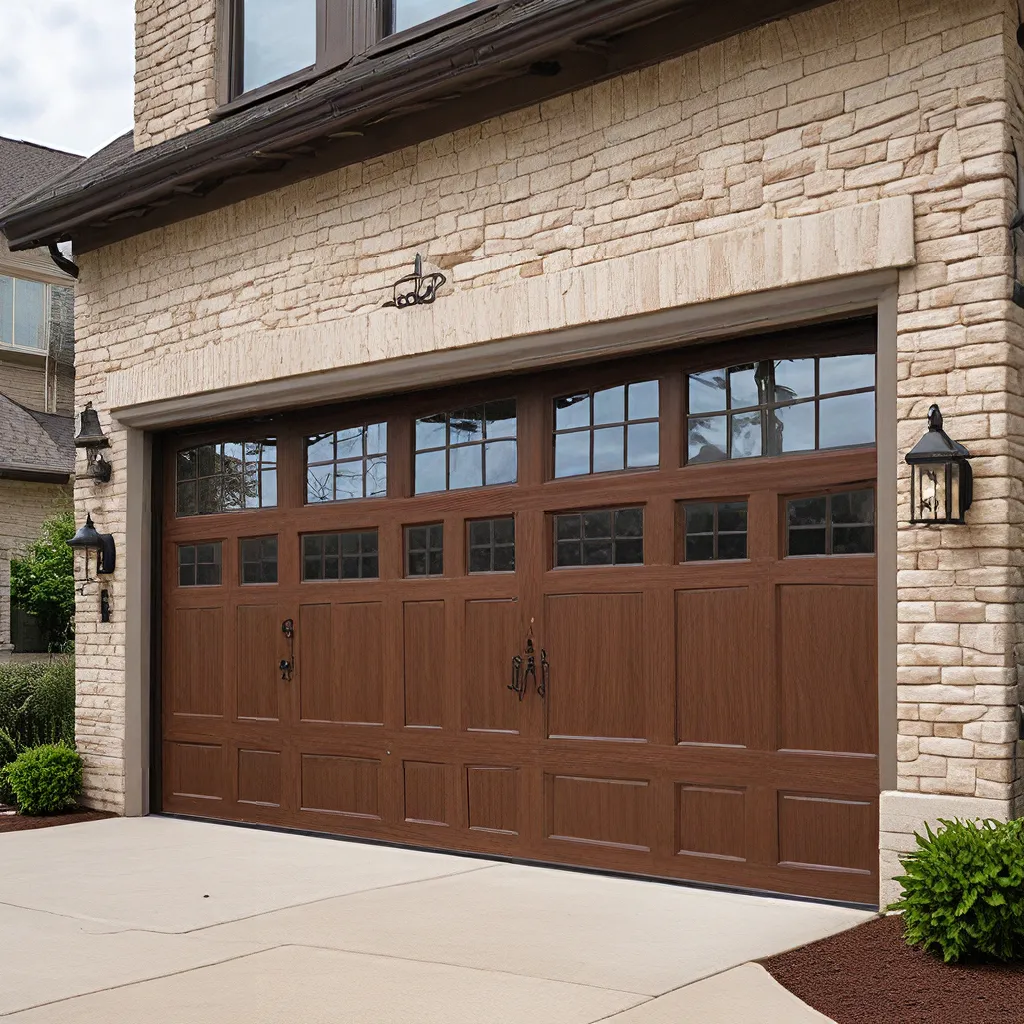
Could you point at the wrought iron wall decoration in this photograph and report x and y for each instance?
(417, 289)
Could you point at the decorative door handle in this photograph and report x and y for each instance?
(545, 674)
(517, 685)
(288, 664)
(286, 670)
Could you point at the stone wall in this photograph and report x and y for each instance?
(849, 104)
(175, 87)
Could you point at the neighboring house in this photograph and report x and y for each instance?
(37, 384)
(602, 558)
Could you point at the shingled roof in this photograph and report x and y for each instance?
(35, 445)
(24, 167)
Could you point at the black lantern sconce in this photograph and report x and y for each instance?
(88, 539)
(941, 482)
(93, 440)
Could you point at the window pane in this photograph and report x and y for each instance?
(407, 13)
(807, 542)
(643, 400)
(279, 37)
(746, 435)
(629, 522)
(629, 552)
(732, 545)
(568, 553)
(377, 439)
(466, 425)
(319, 484)
(501, 462)
(642, 445)
(350, 443)
(501, 418)
(572, 411)
(597, 524)
(480, 560)
(706, 439)
(430, 472)
(431, 432)
(30, 314)
(480, 533)
(348, 480)
(320, 448)
(743, 387)
(6, 310)
(610, 405)
(568, 527)
(846, 373)
(608, 450)
(853, 540)
(572, 453)
(806, 512)
(700, 548)
(597, 552)
(846, 421)
(853, 507)
(466, 467)
(732, 517)
(794, 378)
(707, 391)
(792, 429)
(505, 558)
(377, 477)
(187, 499)
(700, 519)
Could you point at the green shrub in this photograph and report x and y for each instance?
(45, 780)
(37, 706)
(43, 582)
(963, 891)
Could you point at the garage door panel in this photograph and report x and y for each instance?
(605, 812)
(340, 663)
(425, 650)
(492, 799)
(257, 629)
(195, 771)
(341, 785)
(426, 796)
(194, 662)
(597, 657)
(829, 833)
(720, 680)
(490, 640)
(711, 821)
(827, 676)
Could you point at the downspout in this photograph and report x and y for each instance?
(68, 266)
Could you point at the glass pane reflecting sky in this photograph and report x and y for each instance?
(415, 12)
(280, 37)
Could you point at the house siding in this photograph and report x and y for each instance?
(848, 105)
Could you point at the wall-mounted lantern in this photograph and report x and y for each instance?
(941, 482)
(91, 437)
(88, 539)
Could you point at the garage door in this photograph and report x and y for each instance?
(621, 616)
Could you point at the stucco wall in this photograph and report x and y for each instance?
(852, 103)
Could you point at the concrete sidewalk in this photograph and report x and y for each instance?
(160, 920)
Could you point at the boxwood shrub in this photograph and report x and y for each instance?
(45, 780)
(963, 891)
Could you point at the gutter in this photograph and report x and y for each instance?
(33, 474)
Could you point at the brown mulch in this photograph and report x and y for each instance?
(19, 822)
(869, 975)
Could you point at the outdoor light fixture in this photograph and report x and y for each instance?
(93, 440)
(88, 539)
(941, 483)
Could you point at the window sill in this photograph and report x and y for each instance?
(267, 92)
(27, 356)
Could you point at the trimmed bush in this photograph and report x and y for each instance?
(963, 891)
(37, 706)
(45, 780)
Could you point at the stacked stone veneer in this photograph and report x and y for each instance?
(847, 104)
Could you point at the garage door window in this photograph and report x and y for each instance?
(259, 560)
(424, 550)
(346, 464)
(779, 406)
(492, 545)
(607, 430)
(832, 524)
(602, 537)
(353, 555)
(467, 448)
(226, 477)
(715, 531)
(199, 565)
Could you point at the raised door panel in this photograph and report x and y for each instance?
(599, 812)
(712, 821)
(195, 771)
(259, 777)
(492, 796)
(596, 676)
(827, 677)
(258, 656)
(341, 785)
(491, 641)
(425, 793)
(720, 685)
(341, 663)
(425, 663)
(828, 833)
(194, 663)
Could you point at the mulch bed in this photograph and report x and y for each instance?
(10, 822)
(869, 975)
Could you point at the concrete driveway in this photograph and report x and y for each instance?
(158, 920)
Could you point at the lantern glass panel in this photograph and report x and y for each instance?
(954, 492)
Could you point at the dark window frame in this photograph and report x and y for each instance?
(362, 556)
(364, 459)
(263, 560)
(262, 464)
(427, 550)
(194, 564)
(557, 542)
(344, 29)
(716, 503)
(492, 546)
(829, 494)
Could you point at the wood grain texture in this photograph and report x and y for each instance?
(257, 629)
(825, 832)
(492, 799)
(712, 822)
(602, 812)
(259, 777)
(341, 785)
(425, 797)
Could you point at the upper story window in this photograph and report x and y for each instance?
(276, 38)
(226, 477)
(778, 406)
(24, 313)
(272, 40)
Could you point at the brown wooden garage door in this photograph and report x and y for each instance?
(621, 617)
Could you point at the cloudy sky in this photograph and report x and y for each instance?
(66, 71)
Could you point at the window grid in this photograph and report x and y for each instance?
(746, 428)
(598, 538)
(607, 441)
(492, 545)
(226, 477)
(24, 314)
(199, 565)
(714, 531)
(352, 555)
(344, 465)
(473, 447)
(841, 523)
(258, 557)
(424, 550)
